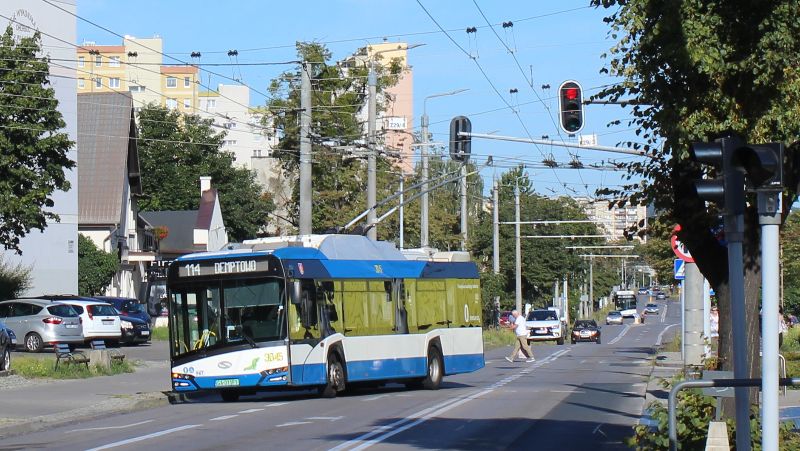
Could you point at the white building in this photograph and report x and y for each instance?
(615, 220)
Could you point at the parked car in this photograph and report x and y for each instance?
(100, 320)
(134, 330)
(5, 348)
(38, 322)
(127, 307)
(585, 330)
(505, 319)
(11, 335)
(651, 309)
(614, 317)
(545, 325)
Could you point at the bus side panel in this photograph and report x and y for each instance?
(463, 302)
(463, 349)
(355, 310)
(431, 305)
(381, 309)
(385, 357)
(308, 364)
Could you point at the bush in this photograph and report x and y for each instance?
(14, 279)
(96, 267)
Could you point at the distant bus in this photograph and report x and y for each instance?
(625, 302)
(320, 312)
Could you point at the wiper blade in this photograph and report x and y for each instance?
(246, 337)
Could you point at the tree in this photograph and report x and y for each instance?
(14, 279)
(698, 70)
(657, 251)
(96, 268)
(790, 261)
(35, 154)
(175, 150)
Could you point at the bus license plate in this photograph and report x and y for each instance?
(226, 383)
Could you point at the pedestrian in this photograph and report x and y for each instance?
(782, 327)
(521, 332)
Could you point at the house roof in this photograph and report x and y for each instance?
(107, 154)
(102, 48)
(180, 226)
(178, 69)
(206, 210)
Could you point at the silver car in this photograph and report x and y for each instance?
(38, 322)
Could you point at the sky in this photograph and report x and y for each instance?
(552, 41)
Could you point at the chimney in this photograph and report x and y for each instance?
(205, 184)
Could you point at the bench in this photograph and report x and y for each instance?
(65, 354)
(114, 354)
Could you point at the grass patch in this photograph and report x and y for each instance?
(159, 333)
(791, 340)
(35, 368)
(599, 316)
(496, 338)
(674, 345)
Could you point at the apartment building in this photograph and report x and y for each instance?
(179, 87)
(615, 220)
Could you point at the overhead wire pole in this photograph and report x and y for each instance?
(305, 150)
(496, 228)
(518, 250)
(464, 206)
(372, 83)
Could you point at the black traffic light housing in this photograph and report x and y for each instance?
(570, 105)
(460, 146)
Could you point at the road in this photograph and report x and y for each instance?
(572, 396)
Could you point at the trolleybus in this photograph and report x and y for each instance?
(625, 302)
(320, 312)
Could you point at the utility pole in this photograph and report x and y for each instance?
(402, 207)
(372, 83)
(769, 217)
(423, 227)
(518, 251)
(693, 309)
(464, 215)
(565, 304)
(591, 286)
(305, 149)
(496, 228)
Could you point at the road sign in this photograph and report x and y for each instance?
(681, 251)
(680, 269)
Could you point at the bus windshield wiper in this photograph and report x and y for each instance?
(246, 337)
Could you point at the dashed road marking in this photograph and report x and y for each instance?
(621, 334)
(111, 427)
(276, 404)
(223, 418)
(145, 437)
(373, 398)
(292, 423)
(324, 418)
(251, 410)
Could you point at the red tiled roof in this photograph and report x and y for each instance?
(178, 69)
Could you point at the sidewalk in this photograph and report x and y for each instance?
(31, 405)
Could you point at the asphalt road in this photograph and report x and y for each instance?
(572, 396)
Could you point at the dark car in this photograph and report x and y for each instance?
(134, 330)
(585, 330)
(127, 306)
(6, 345)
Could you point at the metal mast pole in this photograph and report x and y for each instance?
(464, 216)
(518, 251)
(423, 227)
(402, 204)
(496, 228)
(305, 149)
(372, 82)
(769, 217)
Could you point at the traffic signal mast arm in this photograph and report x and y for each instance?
(547, 142)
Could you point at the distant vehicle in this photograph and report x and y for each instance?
(651, 308)
(505, 319)
(5, 348)
(545, 325)
(100, 320)
(127, 307)
(134, 330)
(625, 302)
(661, 296)
(643, 290)
(614, 317)
(585, 330)
(38, 322)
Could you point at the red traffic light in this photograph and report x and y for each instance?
(571, 93)
(570, 105)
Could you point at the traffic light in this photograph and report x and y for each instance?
(763, 164)
(570, 104)
(460, 146)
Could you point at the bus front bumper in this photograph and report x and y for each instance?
(266, 378)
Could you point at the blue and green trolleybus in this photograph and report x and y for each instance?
(320, 311)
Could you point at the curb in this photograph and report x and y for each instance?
(113, 405)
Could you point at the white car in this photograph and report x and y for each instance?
(545, 325)
(100, 320)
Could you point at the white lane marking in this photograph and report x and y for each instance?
(111, 427)
(145, 437)
(664, 313)
(275, 404)
(292, 423)
(325, 418)
(373, 398)
(566, 391)
(251, 410)
(661, 335)
(621, 334)
(223, 418)
(365, 441)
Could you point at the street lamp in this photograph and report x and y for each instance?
(372, 84)
(424, 154)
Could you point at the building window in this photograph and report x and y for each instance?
(229, 142)
(113, 61)
(172, 82)
(136, 88)
(229, 125)
(257, 153)
(187, 103)
(172, 104)
(212, 103)
(98, 82)
(98, 60)
(187, 82)
(81, 61)
(81, 83)
(113, 82)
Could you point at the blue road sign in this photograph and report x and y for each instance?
(680, 269)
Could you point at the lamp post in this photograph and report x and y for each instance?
(372, 84)
(423, 232)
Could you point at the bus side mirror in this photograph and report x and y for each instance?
(296, 292)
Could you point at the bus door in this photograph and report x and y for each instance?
(400, 312)
(305, 330)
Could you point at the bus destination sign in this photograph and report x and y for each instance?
(212, 268)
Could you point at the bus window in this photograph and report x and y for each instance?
(303, 319)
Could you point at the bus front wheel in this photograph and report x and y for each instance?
(335, 379)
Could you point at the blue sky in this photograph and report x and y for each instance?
(552, 40)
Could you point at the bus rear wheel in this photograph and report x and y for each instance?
(335, 379)
(433, 379)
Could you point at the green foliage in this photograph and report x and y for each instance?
(39, 368)
(96, 267)
(790, 261)
(497, 338)
(35, 154)
(159, 333)
(175, 150)
(657, 251)
(14, 279)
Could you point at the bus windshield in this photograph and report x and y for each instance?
(216, 314)
(625, 301)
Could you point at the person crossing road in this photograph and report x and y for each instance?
(521, 332)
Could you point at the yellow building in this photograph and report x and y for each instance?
(136, 67)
